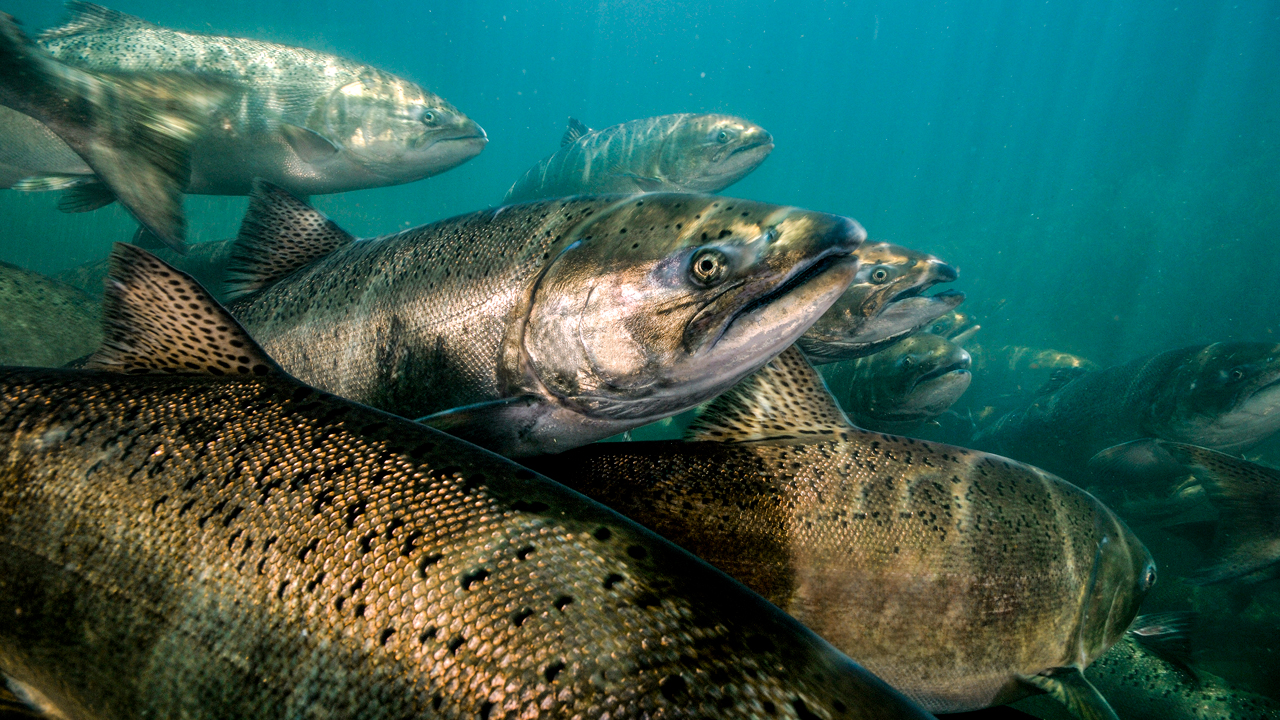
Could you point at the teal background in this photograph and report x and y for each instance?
(1103, 173)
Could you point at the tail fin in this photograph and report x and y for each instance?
(133, 129)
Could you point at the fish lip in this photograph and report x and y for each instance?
(762, 144)
(959, 367)
(828, 260)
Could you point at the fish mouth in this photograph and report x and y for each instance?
(767, 145)
(905, 314)
(959, 367)
(827, 261)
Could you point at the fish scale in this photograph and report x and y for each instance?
(200, 546)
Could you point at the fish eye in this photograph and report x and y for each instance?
(428, 117)
(908, 361)
(708, 267)
(1236, 374)
(723, 136)
(1149, 578)
(879, 275)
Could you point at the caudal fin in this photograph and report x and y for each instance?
(134, 130)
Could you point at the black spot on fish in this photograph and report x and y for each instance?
(603, 534)
(523, 553)
(563, 602)
(637, 552)
(612, 579)
(802, 711)
(673, 687)
(455, 642)
(471, 578)
(519, 616)
(551, 671)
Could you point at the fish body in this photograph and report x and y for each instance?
(551, 324)
(44, 322)
(669, 153)
(959, 577)
(913, 380)
(308, 121)
(1224, 396)
(883, 304)
(186, 531)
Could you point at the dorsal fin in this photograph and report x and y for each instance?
(85, 17)
(158, 320)
(279, 234)
(575, 130)
(785, 400)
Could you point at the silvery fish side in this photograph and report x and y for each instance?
(186, 531)
(308, 121)
(963, 579)
(44, 322)
(668, 153)
(540, 326)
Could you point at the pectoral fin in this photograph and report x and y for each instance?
(86, 197)
(1068, 686)
(311, 146)
(645, 182)
(489, 424)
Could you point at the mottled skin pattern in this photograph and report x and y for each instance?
(1223, 396)
(670, 153)
(29, 148)
(232, 543)
(387, 129)
(1140, 685)
(44, 322)
(947, 572)
(915, 379)
(585, 304)
(882, 304)
(209, 548)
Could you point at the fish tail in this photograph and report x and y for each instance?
(1247, 497)
(133, 129)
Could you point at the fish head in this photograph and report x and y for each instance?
(663, 301)
(707, 153)
(1225, 397)
(919, 377)
(1122, 574)
(883, 304)
(395, 128)
(950, 324)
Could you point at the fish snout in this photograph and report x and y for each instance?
(942, 272)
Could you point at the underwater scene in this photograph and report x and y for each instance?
(640, 359)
